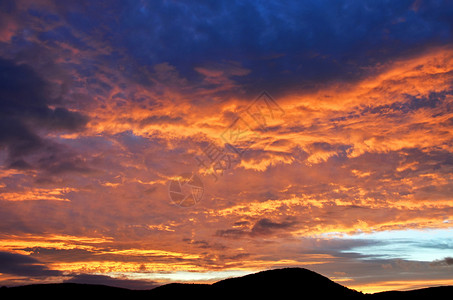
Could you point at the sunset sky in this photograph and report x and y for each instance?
(330, 126)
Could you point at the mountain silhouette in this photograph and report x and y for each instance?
(288, 283)
(273, 283)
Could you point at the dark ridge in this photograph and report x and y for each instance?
(173, 290)
(439, 292)
(284, 282)
(62, 290)
(289, 283)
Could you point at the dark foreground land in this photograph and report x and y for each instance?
(289, 283)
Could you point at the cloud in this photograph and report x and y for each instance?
(23, 265)
(26, 110)
(161, 120)
(447, 261)
(266, 226)
(102, 119)
(303, 46)
(25, 98)
(261, 227)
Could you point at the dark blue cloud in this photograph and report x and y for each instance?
(25, 99)
(412, 103)
(27, 110)
(23, 265)
(286, 44)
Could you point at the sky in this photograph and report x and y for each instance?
(149, 142)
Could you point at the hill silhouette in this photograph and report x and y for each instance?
(291, 283)
(283, 282)
(273, 283)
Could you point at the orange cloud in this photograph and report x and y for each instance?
(56, 194)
